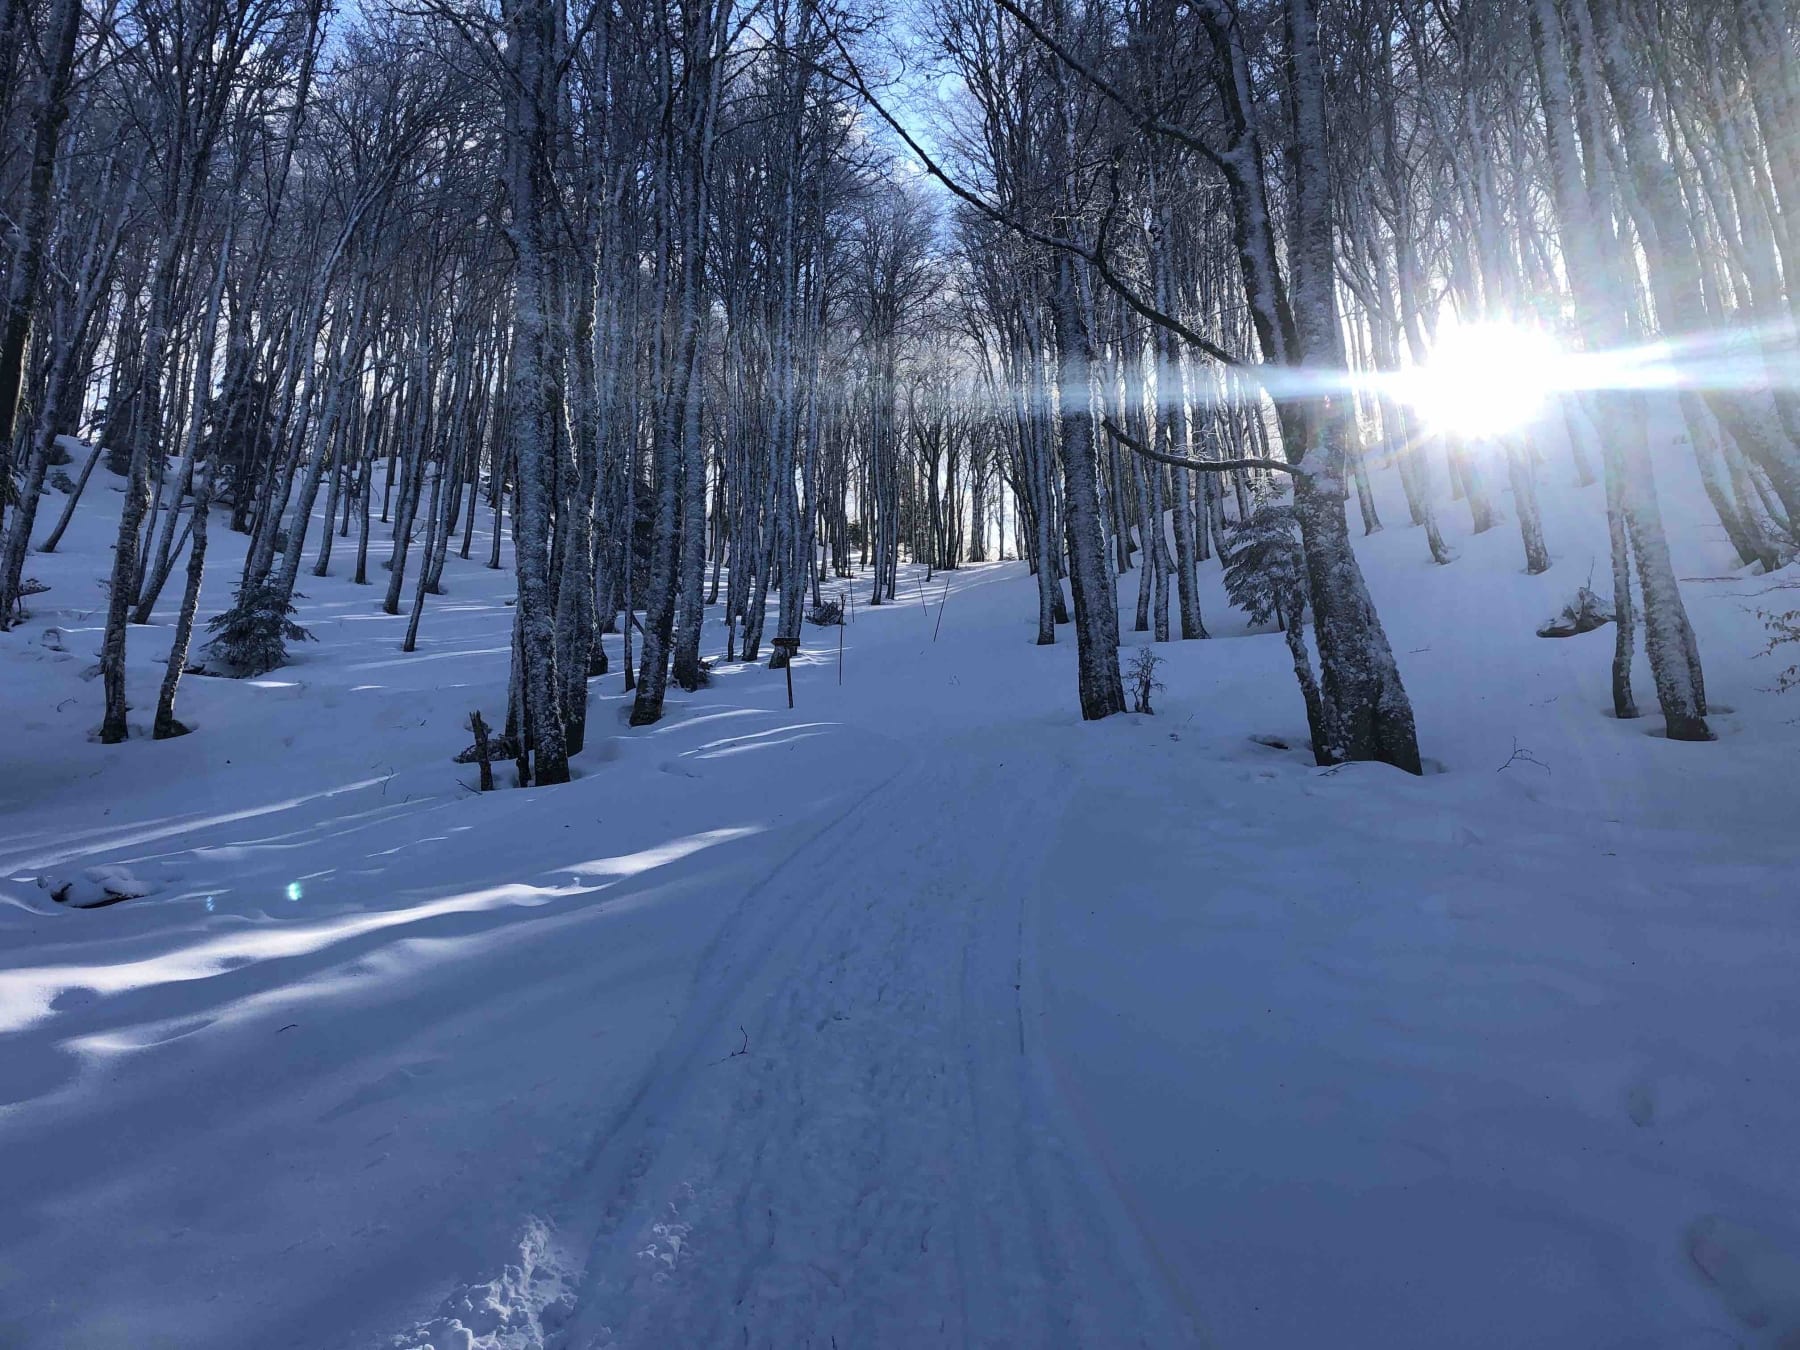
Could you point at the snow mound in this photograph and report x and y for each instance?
(95, 887)
(523, 1308)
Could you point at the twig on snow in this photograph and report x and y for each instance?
(743, 1049)
(1520, 755)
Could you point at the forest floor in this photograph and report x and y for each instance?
(920, 1014)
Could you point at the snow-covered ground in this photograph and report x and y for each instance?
(920, 1014)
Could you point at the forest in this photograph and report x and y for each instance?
(1273, 523)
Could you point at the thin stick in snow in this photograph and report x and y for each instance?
(1520, 755)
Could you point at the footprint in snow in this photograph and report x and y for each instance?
(390, 1085)
(1757, 1280)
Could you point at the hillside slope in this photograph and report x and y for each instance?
(922, 1013)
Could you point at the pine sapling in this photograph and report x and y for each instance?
(1265, 571)
(251, 637)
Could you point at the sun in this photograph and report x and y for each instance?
(1484, 380)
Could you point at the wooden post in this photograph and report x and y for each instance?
(790, 645)
(480, 727)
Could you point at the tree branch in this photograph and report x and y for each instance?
(1144, 121)
(1184, 462)
(1093, 257)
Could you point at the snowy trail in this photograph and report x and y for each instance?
(1145, 1031)
(881, 1165)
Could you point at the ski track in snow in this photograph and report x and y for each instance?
(878, 1167)
(852, 1140)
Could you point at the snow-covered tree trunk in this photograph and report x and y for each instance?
(665, 479)
(1366, 707)
(70, 340)
(531, 58)
(1747, 416)
(1096, 606)
(28, 220)
(1175, 426)
(575, 640)
(1366, 711)
(1603, 314)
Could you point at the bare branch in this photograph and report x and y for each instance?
(1095, 257)
(1133, 444)
(1144, 121)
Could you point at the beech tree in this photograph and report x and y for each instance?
(677, 296)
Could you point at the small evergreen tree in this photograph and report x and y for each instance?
(1264, 569)
(251, 637)
(1265, 576)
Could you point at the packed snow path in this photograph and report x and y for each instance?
(879, 1161)
(922, 1014)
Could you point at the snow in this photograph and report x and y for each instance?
(921, 1014)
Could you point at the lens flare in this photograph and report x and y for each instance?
(1484, 379)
